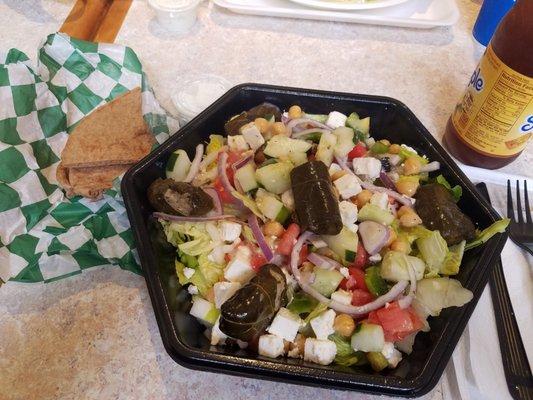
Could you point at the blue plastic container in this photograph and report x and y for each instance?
(490, 15)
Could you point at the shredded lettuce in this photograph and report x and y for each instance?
(497, 227)
(250, 204)
(346, 356)
(453, 259)
(433, 249)
(248, 235)
(205, 276)
(319, 309)
(406, 153)
(302, 303)
(190, 238)
(456, 191)
(215, 143)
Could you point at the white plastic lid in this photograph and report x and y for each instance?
(174, 5)
(197, 93)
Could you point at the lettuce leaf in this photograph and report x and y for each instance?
(319, 309)
(434, 294)
(433, 249)
(453, 259)
(346, 356)
(456, 191)
(406, 153)
(205, 276)
(250, 204)
(497, 227)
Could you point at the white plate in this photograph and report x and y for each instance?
(348, 5)
(422, 14)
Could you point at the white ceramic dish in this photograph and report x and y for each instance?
(421, 14)
(348, 5)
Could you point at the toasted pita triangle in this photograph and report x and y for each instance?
(115, 133)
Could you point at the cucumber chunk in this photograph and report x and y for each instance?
(343, 244)
(374, 282)
(368, 337)
(275, 177)
(178, 166)
(326, 281)
(371, 212)
(271, 207)
(246, 177)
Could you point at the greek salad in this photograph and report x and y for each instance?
(300, 235)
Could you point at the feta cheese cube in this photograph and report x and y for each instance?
(323, 324)
(345, 272)
(217, 255)
(392, 355)
(375, 258)
(348, 214)
(285, 325)
(238, 270)
(223, 291)
(320, 351)
(342, 296)
(230, 231)
(188, 272)
(237, 143)
(348, 186)
(192, 290)
(213, 231)
(336, 119)
(252, 135)
(287, 199)
(271, 346)
(217, 336)
(368, 166)
(317, 242)
(333, 168)
(204, 310)
(381, 200)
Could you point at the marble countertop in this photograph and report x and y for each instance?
(94, 336)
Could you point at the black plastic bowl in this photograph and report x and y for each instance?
(183, 336)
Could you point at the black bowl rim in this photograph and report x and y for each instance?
(304, 374)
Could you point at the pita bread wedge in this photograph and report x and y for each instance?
(113, 134)
(89, 182)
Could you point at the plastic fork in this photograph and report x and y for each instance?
(520, 230)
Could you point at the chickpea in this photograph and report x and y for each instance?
(338, 174)
(410, 219)
(404, 210)
(394, 148)
(408, 188)
(296, 349)
(210, 295)
(262, 124)
(401, 245)
(344, 325)
(273, 228)
(278, 128)
(411, 166)
(385, 142)
(295, 112)
(362, 198)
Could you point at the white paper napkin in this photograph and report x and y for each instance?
(475, 371)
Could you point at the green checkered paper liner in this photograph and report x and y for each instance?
(43, 235)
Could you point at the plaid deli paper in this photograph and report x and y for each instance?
(43, 235)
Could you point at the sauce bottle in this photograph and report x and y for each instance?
(493, 122)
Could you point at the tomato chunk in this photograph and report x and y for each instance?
(359, 150)
(359, 278)
(361, 297)
(361, 258)
(257, 260)
(397, 323)
(233, 157)
(225, 197)
(288, 239)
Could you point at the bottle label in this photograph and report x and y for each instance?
(495, 116)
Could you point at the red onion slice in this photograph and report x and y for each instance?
(387, 181)
(391, 295)
(221, 167)
(305, 132)
(179, 218)
(259, 237)
(406, 201)
(195, 166)
(216, 200)
(293, 123)
(323, 261)
(374, 236)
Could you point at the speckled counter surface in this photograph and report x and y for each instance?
(94, 336)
